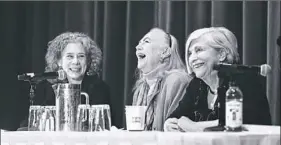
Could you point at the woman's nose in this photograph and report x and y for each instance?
(138, 47)
(75, 60)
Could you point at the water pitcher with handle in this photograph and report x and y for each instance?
(68, 98)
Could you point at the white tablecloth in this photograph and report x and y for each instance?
(257, 135)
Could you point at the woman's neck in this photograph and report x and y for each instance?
(212, 81)
(153, 74)
(73, 81)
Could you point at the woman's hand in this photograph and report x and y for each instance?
(171, 124)
(114, 128)
(188, 125)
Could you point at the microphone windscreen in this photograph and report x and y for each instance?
(61, 75)
(22, 77)
(265, 69)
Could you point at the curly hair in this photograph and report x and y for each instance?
(57, 45)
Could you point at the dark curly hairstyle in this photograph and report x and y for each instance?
(57, 45)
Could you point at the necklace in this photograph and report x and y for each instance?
(212, 92)
(212, 97)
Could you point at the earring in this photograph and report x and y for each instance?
(88, 73)
(165, 54)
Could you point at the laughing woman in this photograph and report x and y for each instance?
(80, 58)
(199, 107)
(162, 77)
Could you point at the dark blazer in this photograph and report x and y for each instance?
(255, 104)
(98, 91)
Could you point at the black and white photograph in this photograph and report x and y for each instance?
(163, 72)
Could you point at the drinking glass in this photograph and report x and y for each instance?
(47, 120)
(100, 118)
(83, 118)
(35, 113)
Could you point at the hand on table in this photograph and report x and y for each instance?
(171, 124)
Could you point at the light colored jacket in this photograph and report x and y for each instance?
(172, 89)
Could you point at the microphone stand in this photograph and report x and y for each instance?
(221, 103)
(33, 82)
(32, 91)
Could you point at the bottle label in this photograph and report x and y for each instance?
(233, 113)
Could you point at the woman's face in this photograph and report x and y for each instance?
(202, 57)
(74, 61)
(149, 49)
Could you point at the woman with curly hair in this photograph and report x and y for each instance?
(59, 52)
(80, 58)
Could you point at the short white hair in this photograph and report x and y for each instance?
(218, 38)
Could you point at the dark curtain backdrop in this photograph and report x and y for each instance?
(26, 28)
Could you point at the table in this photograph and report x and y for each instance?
(257, 135)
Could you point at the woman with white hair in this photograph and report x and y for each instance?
(198, 109)
(162, 77)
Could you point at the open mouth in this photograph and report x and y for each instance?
(197, 65)
(141, 56)
(75, 69)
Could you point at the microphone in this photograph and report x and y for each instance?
(42, 76)
(263, 70)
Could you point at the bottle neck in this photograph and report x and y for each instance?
(232, 84)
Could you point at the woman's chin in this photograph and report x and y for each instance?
(199, 75)
(75, 76)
